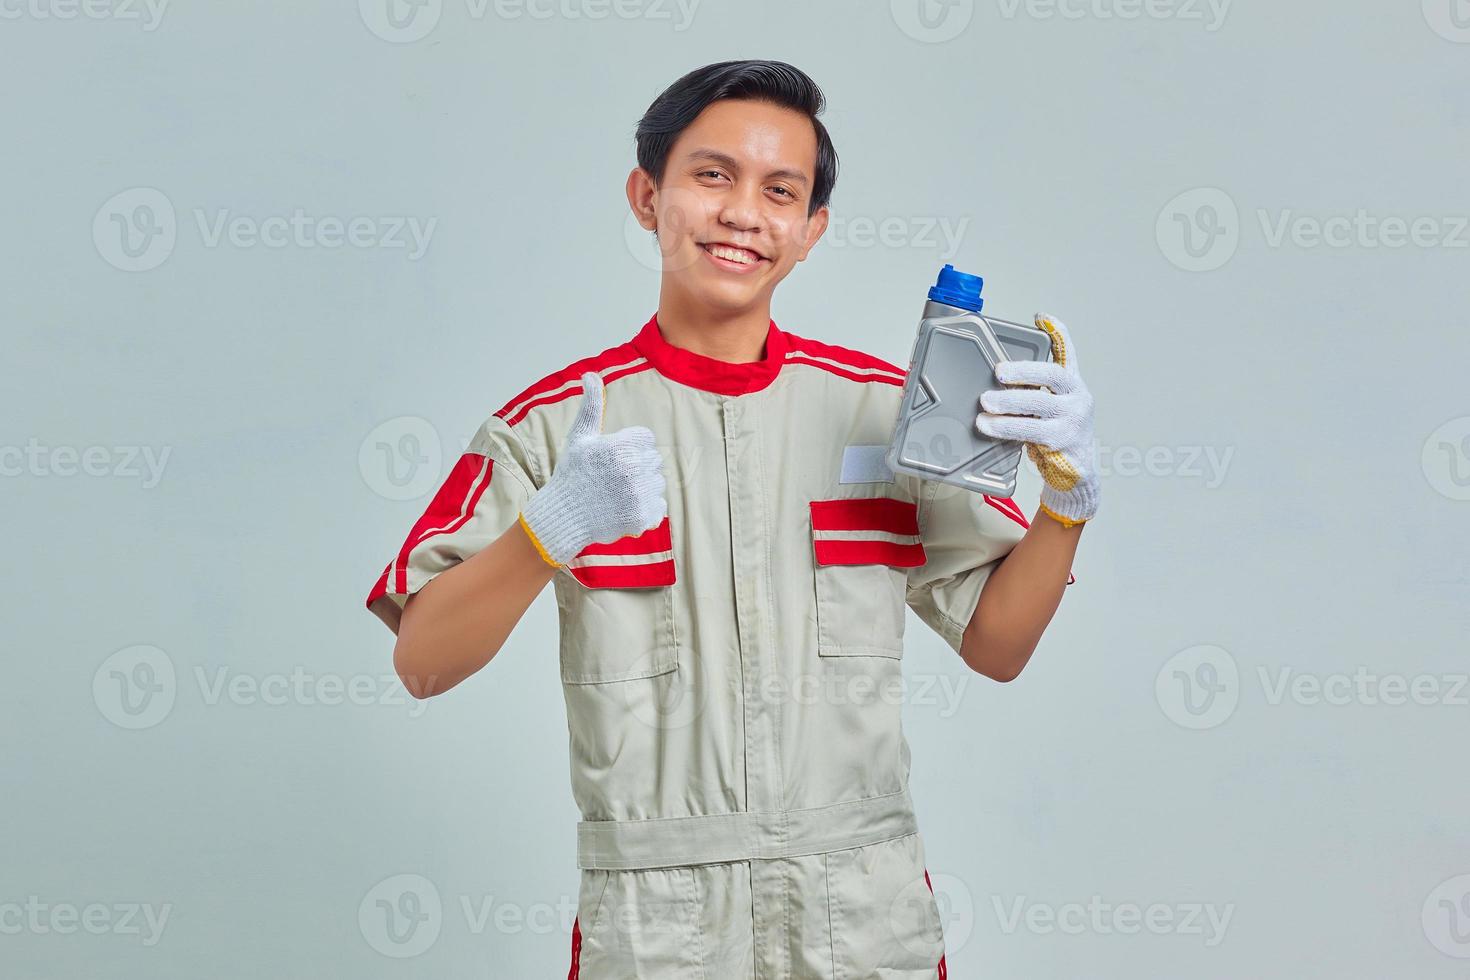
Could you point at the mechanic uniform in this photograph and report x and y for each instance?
(732, 676)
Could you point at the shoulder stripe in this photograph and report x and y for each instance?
(1011, 509)
(573, 388)
(1008, 507)
(615, 362)
(851, 374)
(844, 356)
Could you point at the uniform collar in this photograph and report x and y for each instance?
(708, 373)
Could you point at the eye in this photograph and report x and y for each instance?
(709, 173)
(783, 190)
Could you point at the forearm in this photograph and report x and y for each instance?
(1019, 599)
(604, 486)
(456, 623)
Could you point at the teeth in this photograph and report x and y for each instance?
(733, 254)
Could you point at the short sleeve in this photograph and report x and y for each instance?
(481, 497)
(965, 536)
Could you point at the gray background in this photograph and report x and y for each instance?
(191, 716)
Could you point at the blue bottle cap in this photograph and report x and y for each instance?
(957, 288)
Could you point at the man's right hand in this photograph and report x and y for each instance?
(604, 487)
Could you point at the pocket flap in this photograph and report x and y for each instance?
(867, 531)
(634, 561)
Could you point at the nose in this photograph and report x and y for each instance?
(741, 208)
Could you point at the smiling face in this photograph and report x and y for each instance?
(731, 210)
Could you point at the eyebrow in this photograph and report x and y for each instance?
(729, 161)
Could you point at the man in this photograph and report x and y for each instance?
(731, 563)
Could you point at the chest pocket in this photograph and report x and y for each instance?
(862, 549)
(617, 610)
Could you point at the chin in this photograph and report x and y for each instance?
(729, 297)
(723, 293)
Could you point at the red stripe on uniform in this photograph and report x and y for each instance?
(1008, 507)
(943, 970)
(869, 553)
(646, 575)
(849, 375)
(852, 358)
(653, 540)
(453, 504)
(866, 514)
(576, 969)
(571, 392)
(1011, 509)
(380, 587)
(613, 356)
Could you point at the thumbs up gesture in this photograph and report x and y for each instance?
(604, 487)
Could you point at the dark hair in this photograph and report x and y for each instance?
(761, 81)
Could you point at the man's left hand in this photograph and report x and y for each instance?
(1055, 422)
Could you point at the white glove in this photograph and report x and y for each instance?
(1055, 422)
(604, 487)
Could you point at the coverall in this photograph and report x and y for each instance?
(732, 676)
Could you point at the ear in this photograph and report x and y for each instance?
(816, 226)
(640, 198)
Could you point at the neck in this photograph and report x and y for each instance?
(737, 338)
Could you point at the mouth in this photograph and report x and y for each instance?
(736, 258)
